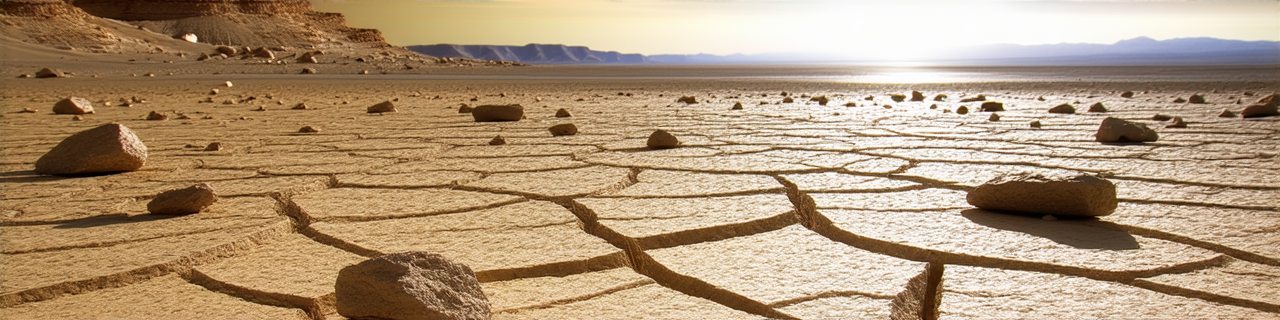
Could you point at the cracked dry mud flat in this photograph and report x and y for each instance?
(780, 210)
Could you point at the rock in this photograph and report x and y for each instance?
(1177, 123)
(1035, 124)
(1179, 100)
(213, 92)
(688, 100)
(50, 73)
(213, 146)
(383, 107)
(464, 108)
(974, 99)
(1126, 94)
(155, 116)
(307, 58)
(261, 108)
(993, 117)
(962, 110)
(229, 84)
(1226, 113)
(73, 105)
(229, 51)
(661, 139)
(491, 113)
(190, 37)
(1097, 107)
(933, 106)
(898, 97)
(1080, 195)
(940, 97)
(917, 96)
(563, 129)
(788, 100)
(1195, 98)
(263, 52)
(1118, 130)
(108, 148)
(992, 106)
(409, 286)
(1266, 107)
(301, 106)
(28, 110)
(1040, 98)
(497, 141)
(869, 98)
(203, 57)
(308, 129)
(822, 100)
(1161, 117)
(562, 113)
(736, 106)
(183, 201)
(77, 118)
(309, 71)
(1063, 108)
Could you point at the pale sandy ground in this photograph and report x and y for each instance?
(778, 210)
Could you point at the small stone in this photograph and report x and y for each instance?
(1177, 123)
(1035, 124)
(1266, 107)
(309, 71)
(563, 129)
(1226, 113)
(1126, 94)
(25, 75)
(898, 97)
(1179, 100)
(993, 117)
(497, 141)
(788, 100)
(364, 72)
(28, 110)
(887, 106)
(308, 129)
(933, 106)
(1195, 98)
(301, 106)
(1097, 107)
(1080, 195)
(562, 113)
(1040, 98)
(974, 99)
(213, 92)
(260, 108)
(464, 108)
(382, 107)
(1063, 108)
(1049, 217)
(73, 105)
(822, 100)
(917, 96)
(1161, 117)
(150, 74)
(107, 148)
(50, 73)
(962, 110)
(736, 106)
(183, 201)
(409, 286)
(229, 84)
(940, 97)
(688, 100)
(492, 113)
(203, 57)
(1119, 130)
(229, 51)
(77, 118)
(157, 116)
(661, 139)
(869, 98)
(214, 146)
(991, 106)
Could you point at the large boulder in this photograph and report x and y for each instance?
(1266, 107)
(493, 112)
(183, 201)
(661, 139)
(1063, 108)
(108, 148)
(50, 73)
(917, 96)
(410, 286)
(1079, 195)
(991, 106)
(1119, 130)
(73, 105)
(563, 129)
(382, 107)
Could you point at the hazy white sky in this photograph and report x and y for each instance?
(874, 28)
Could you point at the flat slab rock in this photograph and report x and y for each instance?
(1077, 195)
(649, 301)
(663, 183)
(372, 204)
(660, 222)
(295, 266)
(167, 297)
(557, 183)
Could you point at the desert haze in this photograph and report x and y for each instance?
(167, 159)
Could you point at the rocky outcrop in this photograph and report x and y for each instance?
(531, 53)
(133, 10)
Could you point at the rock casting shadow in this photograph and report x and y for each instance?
(106, 220)
(1078, 233)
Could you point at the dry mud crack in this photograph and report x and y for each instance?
(778, 210)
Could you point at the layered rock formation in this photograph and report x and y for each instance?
(531, 53)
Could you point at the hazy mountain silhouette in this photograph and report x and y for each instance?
(1136, 51)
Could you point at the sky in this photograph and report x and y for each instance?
(879, 29)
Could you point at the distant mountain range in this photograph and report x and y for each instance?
(1136, 51)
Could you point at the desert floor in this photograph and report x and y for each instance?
(776, 210)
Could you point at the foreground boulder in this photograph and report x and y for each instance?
(382, 107)
(562, 113)
(1080, 196)
(108, 148)
(688, 100)
(991, 106)
(1266, 107)
(1119, 130)
(563, 129)
(917, 96)
(1097, 107)
(50, 73)
(661, 139)
(73, 105)
(409, 286)
(491, 113)
(183, 201)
